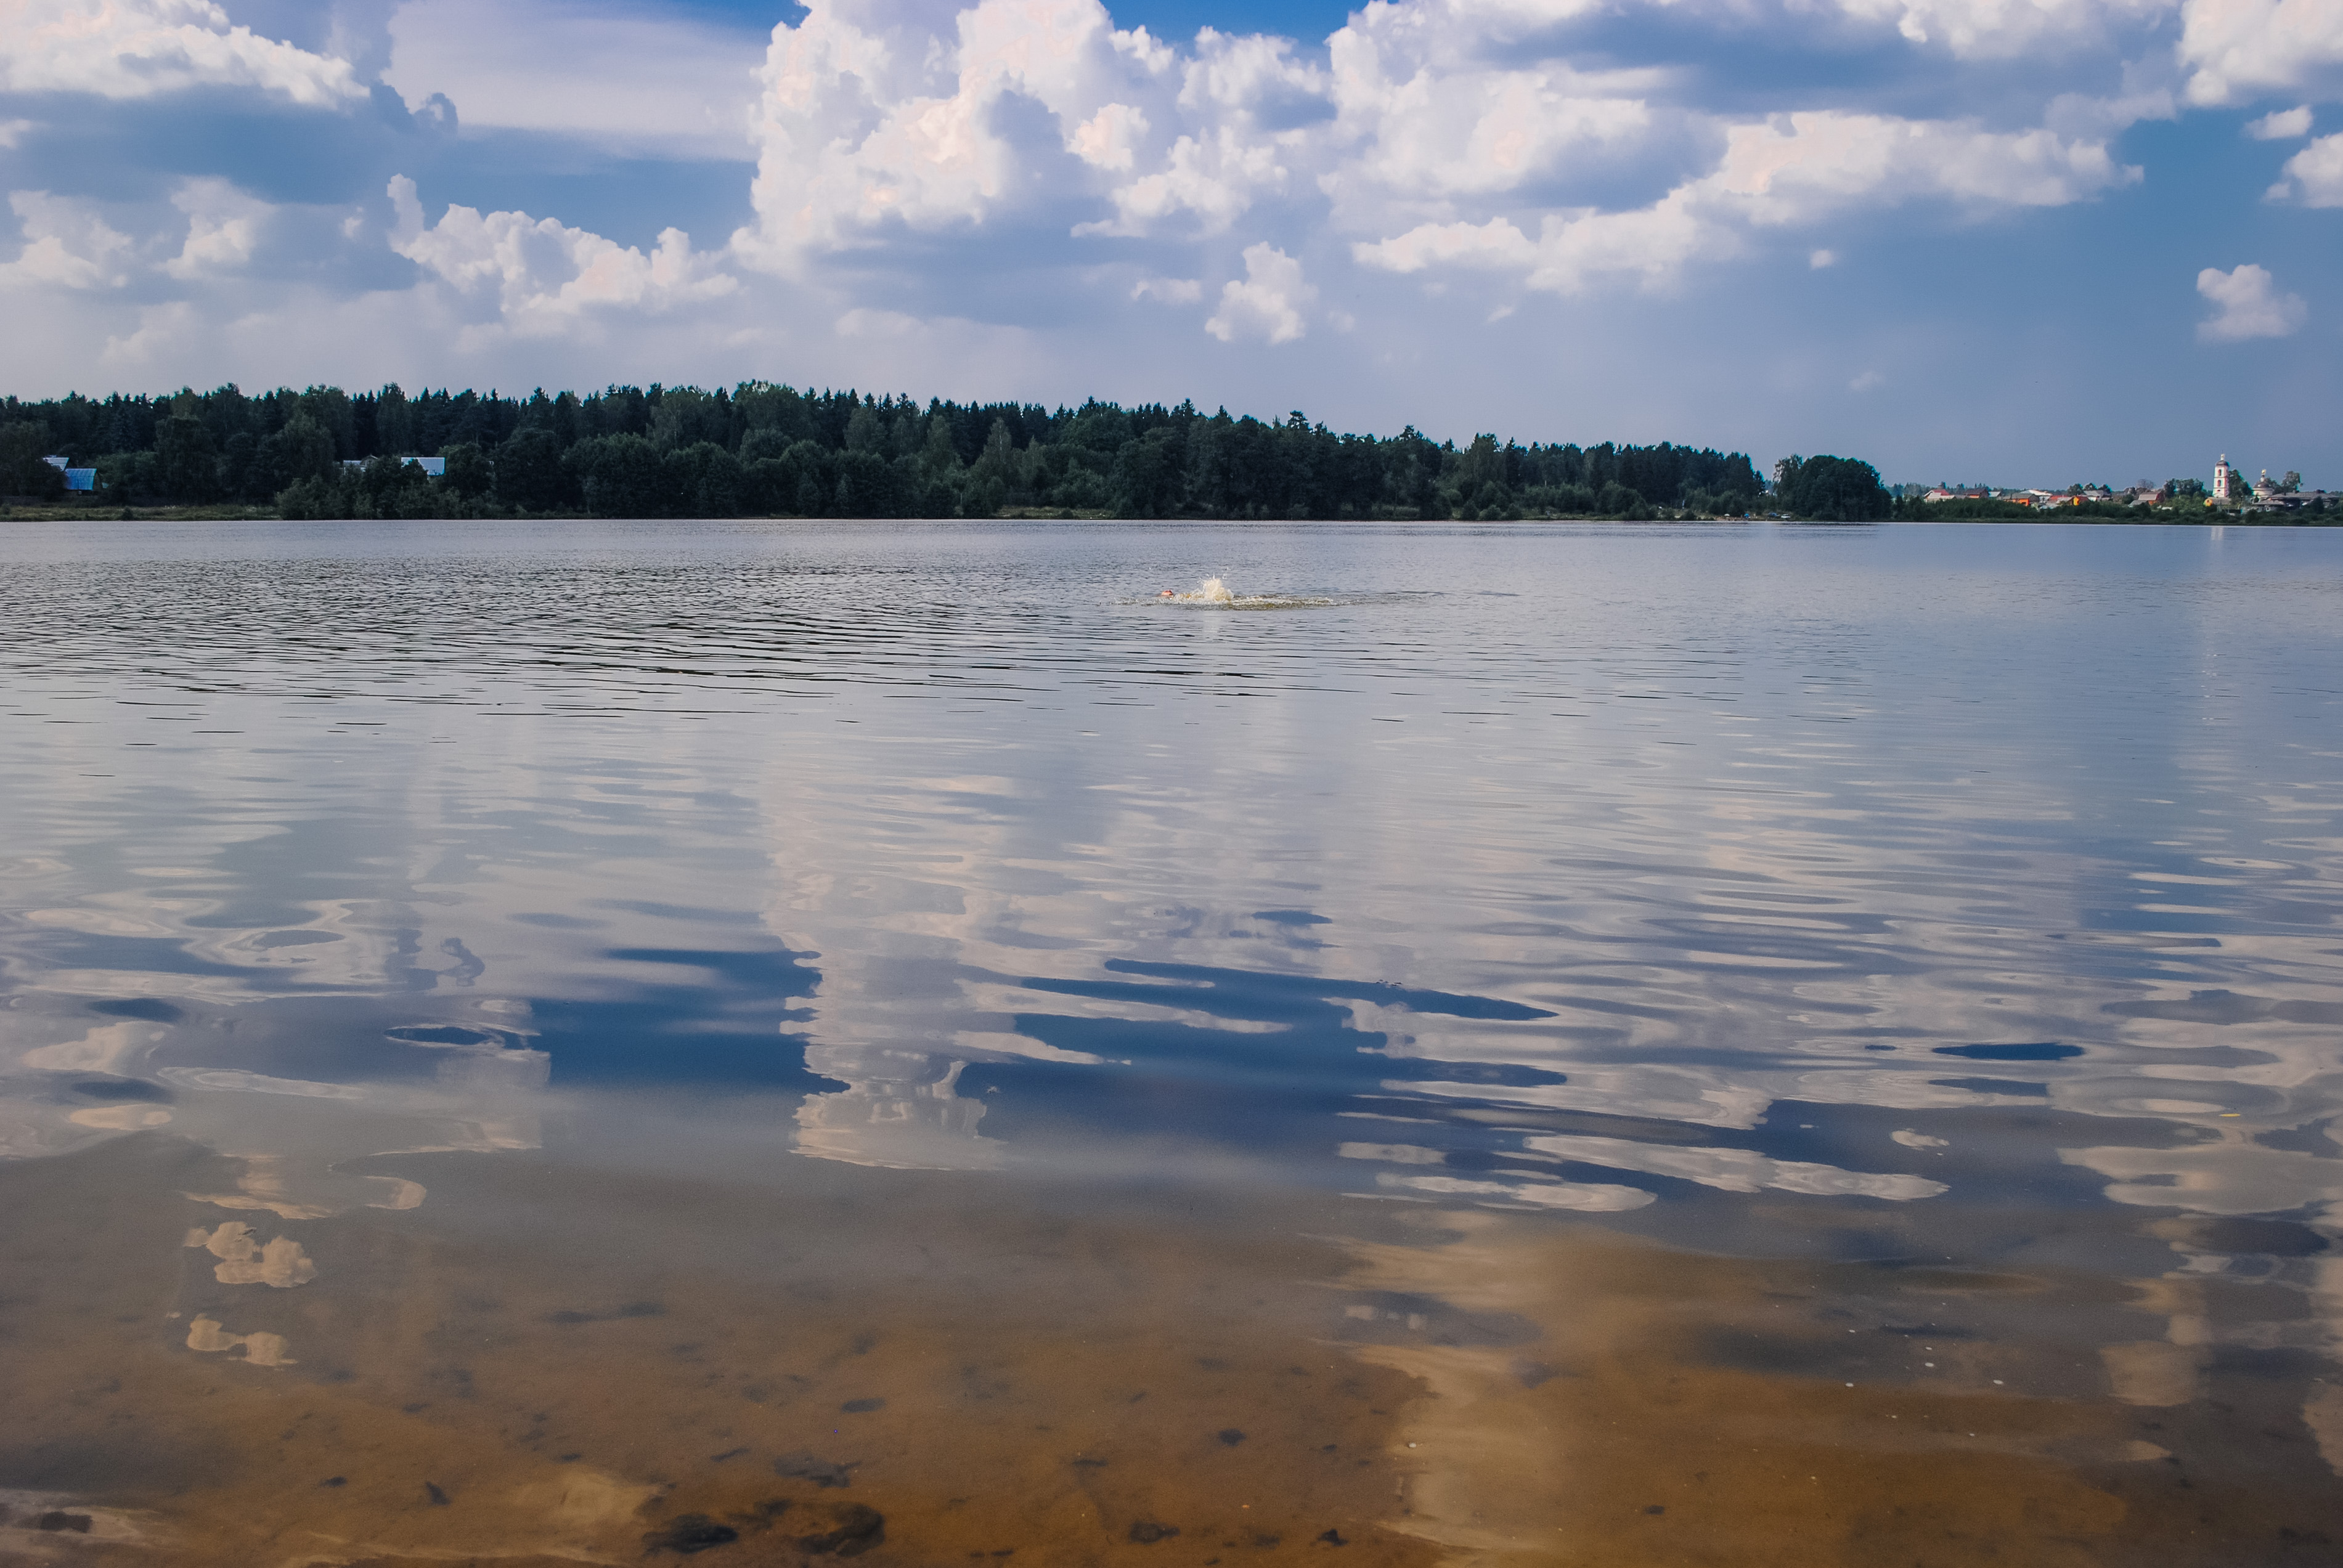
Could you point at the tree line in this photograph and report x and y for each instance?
(763, 449)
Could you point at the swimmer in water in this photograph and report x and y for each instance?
(1211, 590)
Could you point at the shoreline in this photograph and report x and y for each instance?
(1072, 515)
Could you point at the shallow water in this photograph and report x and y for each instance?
(774, 1042)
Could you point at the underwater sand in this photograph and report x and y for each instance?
(778, 1045)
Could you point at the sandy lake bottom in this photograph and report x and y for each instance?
(1594, 1047)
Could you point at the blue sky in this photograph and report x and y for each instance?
(2019, 240)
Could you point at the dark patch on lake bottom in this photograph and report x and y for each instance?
(781, 1042)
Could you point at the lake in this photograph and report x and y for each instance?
(767, 1042)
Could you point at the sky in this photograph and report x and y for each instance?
(2008, 241)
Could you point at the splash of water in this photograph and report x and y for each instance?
(1214, 594)
(1211, 590)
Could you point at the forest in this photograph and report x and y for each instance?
(762, 450)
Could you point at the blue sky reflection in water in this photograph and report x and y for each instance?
(1943, 910)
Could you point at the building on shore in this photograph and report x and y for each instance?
(78, 481)
(2313, 501)
(2224, 480)
(433, 468)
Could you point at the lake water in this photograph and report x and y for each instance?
(773, 1042)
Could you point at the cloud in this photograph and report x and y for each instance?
(224, 227)
(2247, 305)
(1441, 133)
(2314, 174)
(1793, 168)
(1426, 111)
(2281, 125)
(1789, 170)
(2003, 29)
(1108, 139)
(1213, 178)
(1170, 290)
(868, 122)
(2236, 48)
(138, 48)
(542, 274)
(635, 84)
(1268, 304)
(867, 118)
(66, 245)
(974, 195)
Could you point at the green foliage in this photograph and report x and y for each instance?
(470, 473)
(23, 471)
(620, 475)
(529, 475)
(303, 450)
(129, 477)
(382, 488)
(866, 431)
(687, 416)
(187, 462)
(760, 448)
(1971, 509)
(1146, 476)
(1835, 489)
(1619, 501)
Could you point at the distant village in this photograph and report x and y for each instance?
(2230, 488)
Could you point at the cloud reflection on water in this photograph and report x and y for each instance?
(1733, 884)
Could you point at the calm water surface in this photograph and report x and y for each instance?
(610, 1042)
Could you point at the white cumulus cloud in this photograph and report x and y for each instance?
(2247, 304)
(544, 274)
(2236, 48)
(1788, 170)
(1428, 111)
(639, 84)
(2002, 29)
(869, 116)
(68, 244)
(224, 227)
(1438, 132)
(1268, 304)
(1110, 138)
(138, 48)
(1211, 177)
(2315, 175)
(1170, 290)
(2281, 125)
(1793, 168)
